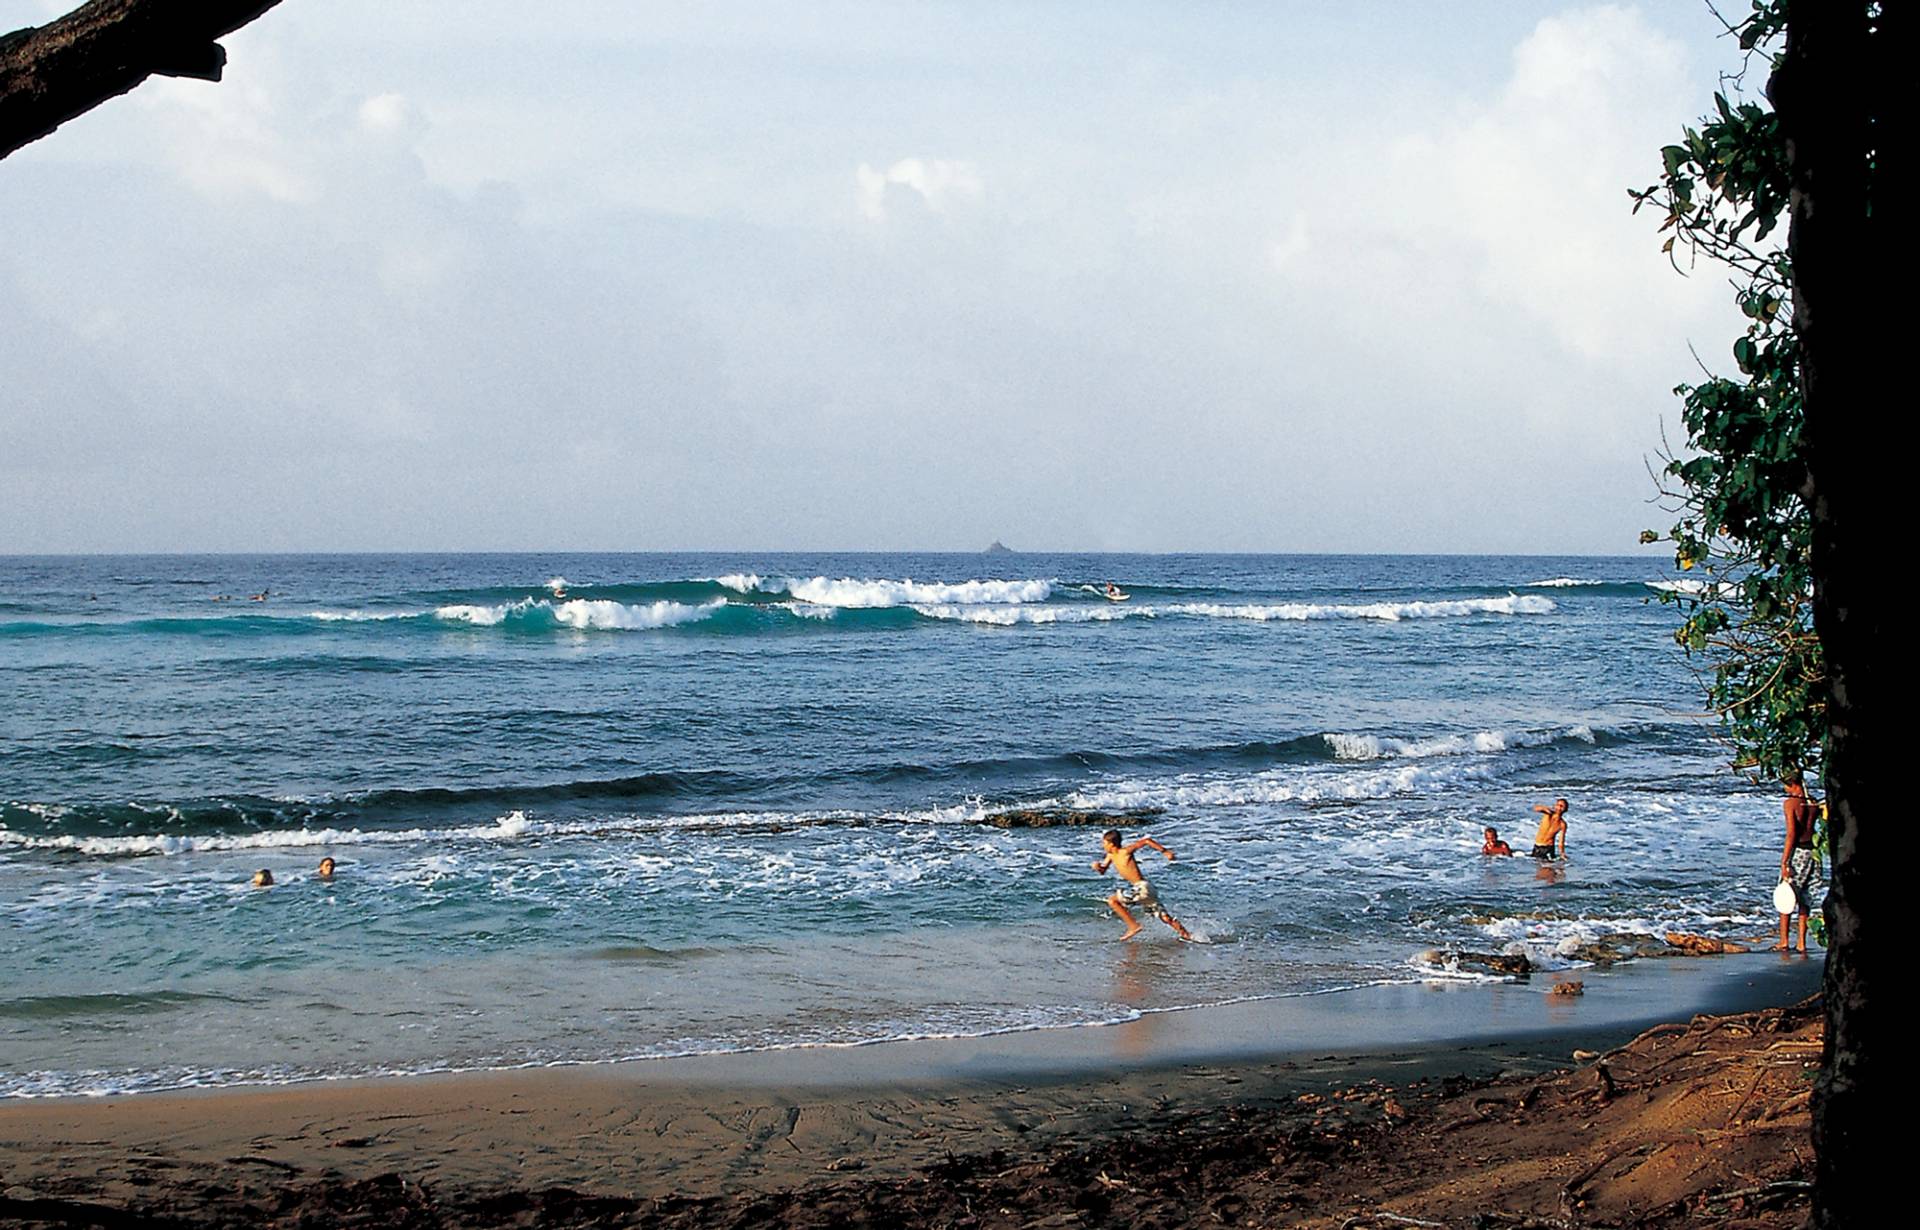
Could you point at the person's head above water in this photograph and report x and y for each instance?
(1492, 834)
(1111, 839)
(263, 878)
(326, 868)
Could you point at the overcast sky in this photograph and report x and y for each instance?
(1105, 276)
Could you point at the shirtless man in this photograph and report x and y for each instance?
(1797, 859)
(1553, 825)
(1134, 889)
(1493, 844)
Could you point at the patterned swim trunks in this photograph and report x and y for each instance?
(1139, 895)
(1801, 865)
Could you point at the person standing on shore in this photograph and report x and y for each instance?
(1798, 861)
(1553, 827)
(1134, 889)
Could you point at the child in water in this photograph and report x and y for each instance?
(1553, 827)
(1134, 889)
(1493, 844)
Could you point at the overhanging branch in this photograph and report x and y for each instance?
(51, 73)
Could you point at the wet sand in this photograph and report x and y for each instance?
(770, 1122)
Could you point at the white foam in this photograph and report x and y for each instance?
(739, 582)
(1562, 583)
(1451, 971)
(508, 827)
(1512, 604)
(1551, 942)
(1275, 786)
(583, 613)
(1377, 747)
(358, 616)
(1007, 616)
(485, 616)
(852, 592)
(1694, 587)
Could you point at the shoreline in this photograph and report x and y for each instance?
(771, 1121)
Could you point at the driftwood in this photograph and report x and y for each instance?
(50, 74)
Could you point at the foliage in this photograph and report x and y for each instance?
(1740, 488)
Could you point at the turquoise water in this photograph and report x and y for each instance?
(590, 807)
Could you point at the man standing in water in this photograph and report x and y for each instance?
(1553, 826)
(1797, 859)
(1134, 889)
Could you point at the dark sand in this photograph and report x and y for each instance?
(864, 1120)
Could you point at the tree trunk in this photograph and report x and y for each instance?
(1829, 93)
(51, 73)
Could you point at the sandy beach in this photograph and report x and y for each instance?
(753, 1125)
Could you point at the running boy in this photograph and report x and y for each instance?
(1134, 889)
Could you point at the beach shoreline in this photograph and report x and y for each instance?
(773, 1121)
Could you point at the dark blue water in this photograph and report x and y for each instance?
(599, 806)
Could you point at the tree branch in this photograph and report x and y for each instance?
(52, 73)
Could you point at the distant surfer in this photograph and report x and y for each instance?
(1114, 593)
(1798, 861)
(1493, 844)
(261, 596)
(1134, 889)
(1553, 828)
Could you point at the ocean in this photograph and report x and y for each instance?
(600, 807)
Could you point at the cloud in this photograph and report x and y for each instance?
(937, 182)
(1530, 185)
(595, 292)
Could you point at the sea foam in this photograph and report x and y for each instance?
(1007, 616)
(853, 592)
(1380, 747)
(583, 613)
(1512, 604)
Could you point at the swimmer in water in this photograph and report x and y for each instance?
(263, 878)
(1493, 844)
(326, 869)
(1553, 827)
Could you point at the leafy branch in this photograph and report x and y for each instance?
(1740, 491)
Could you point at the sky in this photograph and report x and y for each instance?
(1105, 276)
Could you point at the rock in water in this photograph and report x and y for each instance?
(1065, 817)
(1491, 962)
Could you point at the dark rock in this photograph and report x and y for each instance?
(1490, 962)
(1065, 817)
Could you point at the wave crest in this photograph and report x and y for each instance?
(1381, 747)
(580, 613)
(861, 593)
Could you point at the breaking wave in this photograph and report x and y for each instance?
(580, 613)
(856, 593)
(1512, 604)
